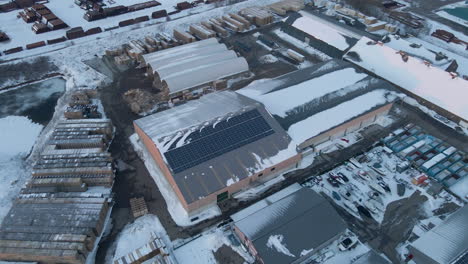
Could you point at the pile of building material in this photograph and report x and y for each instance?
(81, 107)
(155, 250)
(141, 101)
(372, 23)
(45, 19)
(138, 206)
(76, 150)
(189, 70)
(257, 15)
(55, 218)
(53, 228)
(282, 7)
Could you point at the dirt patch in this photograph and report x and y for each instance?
(226, 255)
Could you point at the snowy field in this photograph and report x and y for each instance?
(137, 234)
(201, 249)
(17, 137)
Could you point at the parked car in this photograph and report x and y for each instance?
(347, 243)
(333, 182)
(338, 179)
(345, 194)
(342, 176)
(336, 196)
(363, 175)
(384, 186)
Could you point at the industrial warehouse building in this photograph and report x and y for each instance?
(193, 68)
(210, 148)
(446, 243)
(440, 90)
(320, 34)
(323, 102)
(298, 218)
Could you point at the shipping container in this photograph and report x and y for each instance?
(76, 32)
(57, 40)
(13, 50)
(159, 14)
(36, 45)
(141, 19)
(93, 31)
(183, 5)
(116, 10)
(140, 6)
(94, 15)
(127, 22)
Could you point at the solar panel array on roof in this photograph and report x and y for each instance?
(215, 140)
(463, 259)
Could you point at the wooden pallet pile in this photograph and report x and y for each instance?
(138, 206)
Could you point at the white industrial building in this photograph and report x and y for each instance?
(445, 244)
(193, 67)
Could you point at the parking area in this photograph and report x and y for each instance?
(382, 198)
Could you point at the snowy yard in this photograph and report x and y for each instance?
(372, 184)
(17, 138)
(200, 250)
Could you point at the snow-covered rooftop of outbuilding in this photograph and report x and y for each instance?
(447, 241)
(280, 100)
(324, 30)
(332, 117)
(428, 82)
(289, 225)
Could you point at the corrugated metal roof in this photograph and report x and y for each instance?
(447, 241)
(304, 219)
(192, 77)
(371, 257)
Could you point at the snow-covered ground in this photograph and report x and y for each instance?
(175, 208)
(301, 45)
(200, 250)
(359, 187)
(137, 234)
(323, 30)
(17, 137)
(332, 255)
(86, 47)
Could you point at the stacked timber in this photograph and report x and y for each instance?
(257, 15)
(183, 36)
(201, 32)
(50, 229)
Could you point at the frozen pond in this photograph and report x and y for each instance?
(36, 101)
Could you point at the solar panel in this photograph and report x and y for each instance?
(214, 140)
(462, 260)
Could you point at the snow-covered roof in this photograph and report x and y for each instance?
(339, 114)
(313, 100)
(324, 30)
(446, 242)
(371, 257)
(177, 133)
(194, 64)
(284, 229)
(193, 77)
(426, 81)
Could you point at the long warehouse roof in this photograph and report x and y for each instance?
(412, 74)
(216, 141)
